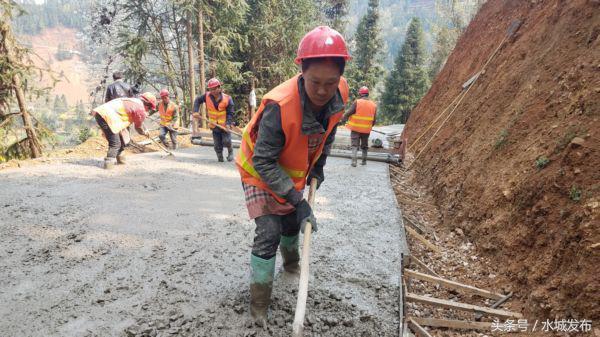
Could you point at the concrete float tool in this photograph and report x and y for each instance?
(170, 154)
(298, 325)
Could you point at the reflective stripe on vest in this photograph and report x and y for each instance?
(362, 120)
(294, 157)
(115, 114)
(217, 114)
(166, 116)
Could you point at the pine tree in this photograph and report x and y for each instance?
(408, 81)
(365, 68)
(334, 12)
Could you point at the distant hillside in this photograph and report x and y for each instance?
(51, 46)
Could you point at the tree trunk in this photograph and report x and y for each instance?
(201, 58)
(34, 143)
(192, 84)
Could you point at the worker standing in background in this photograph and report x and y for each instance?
(286, 142)
(169, 114)
(115, 117)
(361, 117)
(117, 89)
(220, 112)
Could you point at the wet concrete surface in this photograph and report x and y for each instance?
(160, 247)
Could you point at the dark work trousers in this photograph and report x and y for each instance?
(359, 140)
(172, 134)
(221, 139)
(115, 144)
(269, 229)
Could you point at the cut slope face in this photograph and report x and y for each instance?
(517, 166)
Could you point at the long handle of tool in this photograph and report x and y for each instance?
(298, 325)
(160, 146)
(221, 127)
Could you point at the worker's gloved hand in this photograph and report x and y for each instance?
(294, 197)
(196, 115)
(305, 214)
(317, 173)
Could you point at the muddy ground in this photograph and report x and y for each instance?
(161, 247)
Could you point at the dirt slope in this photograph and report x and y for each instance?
(540, 97)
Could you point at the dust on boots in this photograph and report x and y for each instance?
(261, 286)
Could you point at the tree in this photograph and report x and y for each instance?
(365, 68)
(408, 81)
(334, 13)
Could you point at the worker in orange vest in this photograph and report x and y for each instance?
(115, 116)
(361, 117)
(219, 107)
(284, 145)
(169, 114)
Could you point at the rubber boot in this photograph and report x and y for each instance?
(220, 157)
(109, 163)
(121, 160)
(163, 141)
(229, 154)
(354, 152)
(364, 157)
(261, 287)
(288, 247)
(175, 146)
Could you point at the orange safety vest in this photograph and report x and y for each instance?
(166, 116)
(115, 114)
(362, 120)
(293, 158)
(217, 114)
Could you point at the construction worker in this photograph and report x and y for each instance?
(118, 89)
(169, 113)
(362, 116)
(115, 117)
(286, 142)
(220, 113)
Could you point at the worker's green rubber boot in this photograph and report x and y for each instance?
(109, 163)
(261, 287)
(354, 152)
(288, 246)
(220, 157)
(121, 160)
(364, 157)
(230, 155)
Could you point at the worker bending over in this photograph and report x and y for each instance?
(115, 117)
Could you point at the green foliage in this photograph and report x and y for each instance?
(51, 13)
(575, 193)
(334, 13)
(84, 134)
(501, 140)
(365, 68)
(408, 81)
(541, 162)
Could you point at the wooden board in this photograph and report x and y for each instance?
(423, 240)
(452, 324)
(419, 331)
(452, 284)
(461, 306)
(424, 266)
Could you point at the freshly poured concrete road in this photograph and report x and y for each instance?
(160, 247)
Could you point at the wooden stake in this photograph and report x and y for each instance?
(424, 266)
(419, 330)
(461, 306)
(498, 303)
(452, 284)
(423, 240)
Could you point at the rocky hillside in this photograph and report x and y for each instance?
(516, 166)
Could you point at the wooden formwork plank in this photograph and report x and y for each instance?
(419, 330)
(461, 306)
(452, 324)
(452, 284)
(424, 266)
(423, 240)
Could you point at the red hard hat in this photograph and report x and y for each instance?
(149, 98)
(213, 83)
(164, 92)
(322, 42)
(363, 90)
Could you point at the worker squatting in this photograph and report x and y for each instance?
(284, 146)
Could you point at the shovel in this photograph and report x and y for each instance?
(221, 127)
(298, 325)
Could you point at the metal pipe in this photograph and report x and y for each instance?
(207, 142)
